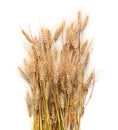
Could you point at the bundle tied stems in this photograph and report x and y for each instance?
(58, 80)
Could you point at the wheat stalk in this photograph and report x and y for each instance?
(57, 80)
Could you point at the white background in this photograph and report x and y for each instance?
(102, 111)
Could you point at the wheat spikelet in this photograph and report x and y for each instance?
(27, 36)
(59, 31)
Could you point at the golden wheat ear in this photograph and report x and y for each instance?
(59, 31)
(29, 38)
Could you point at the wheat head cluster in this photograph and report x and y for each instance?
(58, 83)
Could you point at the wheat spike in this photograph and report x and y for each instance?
(28, 102)
(27, 66)
(62, 82)
(42, 71)
(85, 87)
(24, 75)
(61, 97)
(36, 100)
(47, 91)
(46, 35)
(85, 22)
(55, 67)
(86, 59)
(32, 60)
(83, 47)
(55, 54)
(53, 114)
(37, 49)
(79, 21)
(27, 36)
(59, 31)
(69, 85)
(90, 78)
(56, 75)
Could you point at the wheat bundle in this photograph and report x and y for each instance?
(57, 79)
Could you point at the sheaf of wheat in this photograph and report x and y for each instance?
(57, 79)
